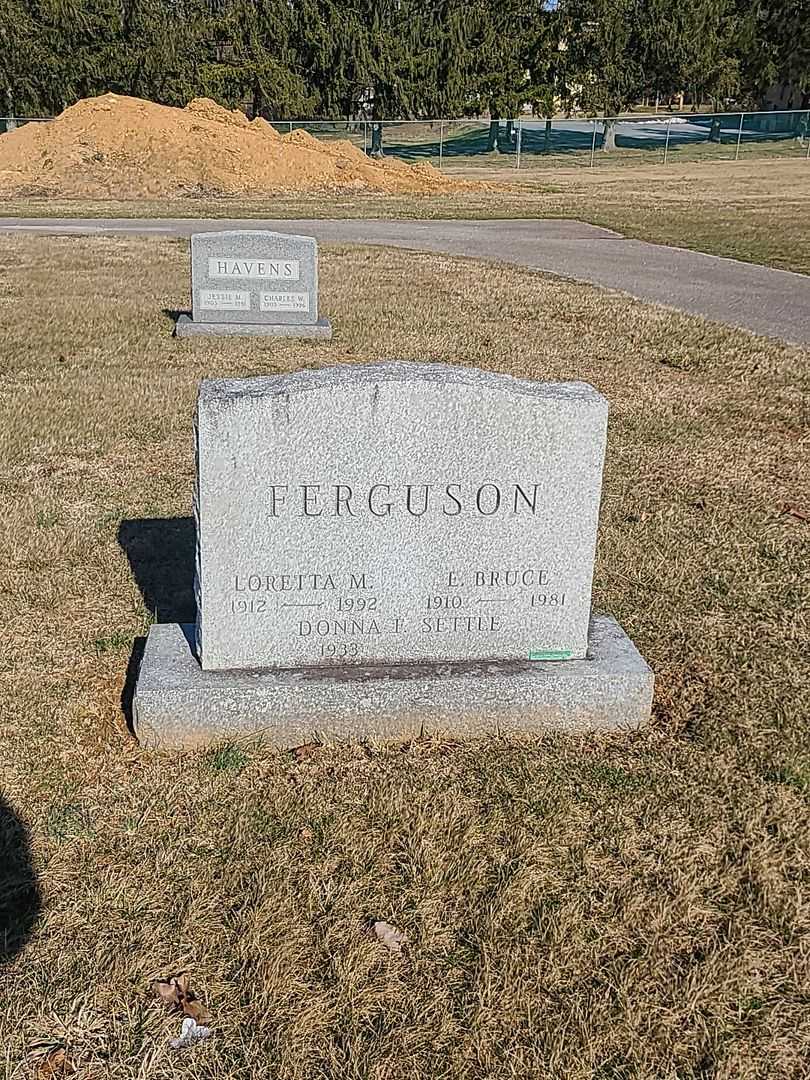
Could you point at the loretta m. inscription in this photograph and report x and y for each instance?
(395, 513)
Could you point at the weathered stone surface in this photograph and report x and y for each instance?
(250, 277)
(177, 704)
(395, 513)
(186, 327)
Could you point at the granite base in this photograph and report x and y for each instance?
(177, 704)
(187, 327)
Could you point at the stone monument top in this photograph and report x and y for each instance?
(393, 513)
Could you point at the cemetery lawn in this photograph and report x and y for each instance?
(626, 906)
(757, 211)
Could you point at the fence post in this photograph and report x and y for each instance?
(365, 137)
(519, 140)
(807, 135)
(441, 142)
(739, 137)
(291, 124)
(666, 143)
(593, 142)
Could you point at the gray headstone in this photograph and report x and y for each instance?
(395, 513)
(246, 276)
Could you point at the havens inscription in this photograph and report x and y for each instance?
(224, 266)
(395, 513)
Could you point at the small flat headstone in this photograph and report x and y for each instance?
(393, 514)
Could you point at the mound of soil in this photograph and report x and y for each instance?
(125, 148)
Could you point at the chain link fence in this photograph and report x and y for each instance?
(529, 142)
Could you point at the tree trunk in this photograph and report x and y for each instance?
(547, 140)
(714, 130)
(492, 140)
(609, 137)
(376, 139)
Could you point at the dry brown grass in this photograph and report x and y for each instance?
(757, 211)
(625, 907)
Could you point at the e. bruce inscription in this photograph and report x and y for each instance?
(395, 513)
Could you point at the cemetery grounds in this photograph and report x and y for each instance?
(622, 906)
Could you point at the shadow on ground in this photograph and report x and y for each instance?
(173, 314)
(20, 901)
(161, 553)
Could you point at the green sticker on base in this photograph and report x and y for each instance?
(551, 654)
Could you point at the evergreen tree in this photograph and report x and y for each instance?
(604, 45)
(690, 44)
(501, 43)
(774, 46)
(21, 61)
(255, 59)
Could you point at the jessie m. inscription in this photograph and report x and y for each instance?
(395, 514)
(254, 282)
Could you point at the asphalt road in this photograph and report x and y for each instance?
(775, 303)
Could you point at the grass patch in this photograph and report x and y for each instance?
(633, 905)
(757, 211)
(226, 758)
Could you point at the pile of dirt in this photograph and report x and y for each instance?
(125, 148)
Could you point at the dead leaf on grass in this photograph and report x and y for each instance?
(796, 511)
(307, 750)
(177, 992)
(55, 1064)
(389, 936)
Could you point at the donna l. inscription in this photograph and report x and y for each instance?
(395, 513)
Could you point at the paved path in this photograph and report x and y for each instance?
(771, 302)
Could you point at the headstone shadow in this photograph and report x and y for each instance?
(20, 899)
(161, 553)
(173, 314)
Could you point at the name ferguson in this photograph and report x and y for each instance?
(404, 500)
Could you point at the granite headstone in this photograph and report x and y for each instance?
(389, 548)
(395, 513)
(254, 282)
